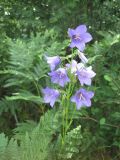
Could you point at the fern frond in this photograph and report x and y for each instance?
(72, 143)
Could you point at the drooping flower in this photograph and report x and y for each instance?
(85, 75)
(82, 57)
(59, 76)
(82, 98)
(50, 95)
(79, 37)
(53, 61)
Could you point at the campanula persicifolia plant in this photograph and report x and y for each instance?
(71, 79)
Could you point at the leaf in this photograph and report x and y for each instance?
(3, 142)
(107, 78)
(27, 96)
(102, 121)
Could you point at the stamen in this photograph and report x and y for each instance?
(81, 97)
(61, 75)
(76, 37)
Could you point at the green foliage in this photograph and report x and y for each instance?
(28, 17)
(33, 144)
(45, 140)
(36, 144)
(8, 149)
(26, 71)
(70, 146)
(107, 91)
(38, 28)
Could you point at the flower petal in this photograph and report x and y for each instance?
(81, 80)
(90, 94)
(79, 105)
(73, 66)
(72, 45)
(86, 37)
(87, 102)
(80, 46)
(81, 29)
(52, 102)
(71, 32)
(87, 81)
(82, 57)
(50, 95)
(59, 76)
(53, 61)
(73, 99)
(91, 72)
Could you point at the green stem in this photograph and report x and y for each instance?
(65, 106)
(63, 115)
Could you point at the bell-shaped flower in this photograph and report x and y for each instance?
(82, 98)
(59, 77)
(53, 61)
(85, 75)
(82, 57)
(50, 95)
(79, 37)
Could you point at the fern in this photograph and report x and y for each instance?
(8, 149)
(25, 71)
(33, 144)
(3, 142)
(44, 141)
(26, 64)
(71, 145)
(24, 127)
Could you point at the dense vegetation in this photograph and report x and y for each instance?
(29, 128)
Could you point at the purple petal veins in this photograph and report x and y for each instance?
(59, 77)
(50, 95)
(82, 98)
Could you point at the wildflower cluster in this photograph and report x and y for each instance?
(72, 74)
